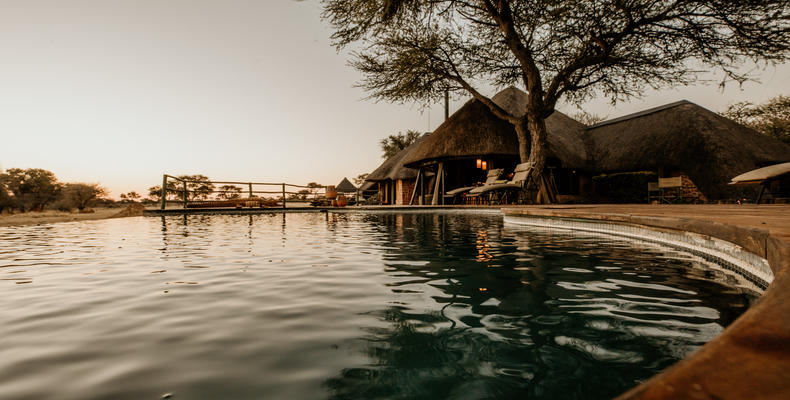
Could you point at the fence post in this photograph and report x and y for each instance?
(250, 187)
(283, 195)
(164, 190)
(185, 194)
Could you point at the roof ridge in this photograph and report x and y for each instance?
(641, 113)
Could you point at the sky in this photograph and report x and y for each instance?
(121, 92)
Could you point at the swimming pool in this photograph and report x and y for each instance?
(354, 305)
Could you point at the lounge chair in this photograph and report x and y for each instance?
(492, 177)
(521, 175)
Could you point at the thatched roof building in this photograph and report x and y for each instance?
(345, 186)
(474, 131)
(393, 168)
(368, 186)
(683, 136)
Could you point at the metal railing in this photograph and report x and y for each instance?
(201, 194)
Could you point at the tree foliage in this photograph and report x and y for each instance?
(130, 196)
(6, 201)
(198, 188)
(360, 179)
(79, 195)
(771, 118)
(32, 188)
(392, 144)
(414, 50)
(587, 118)
(229, 192)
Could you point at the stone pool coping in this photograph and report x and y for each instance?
(751, 358)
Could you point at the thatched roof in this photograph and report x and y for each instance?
(708, 147)
(345, 186)
(474, 131)
(394, 168)
(368, 186)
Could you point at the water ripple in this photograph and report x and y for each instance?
(376, 305)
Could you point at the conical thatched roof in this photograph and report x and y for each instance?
(394, 168)
(474, 131)
(345, 186)
(708, 147)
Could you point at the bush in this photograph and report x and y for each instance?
(625, 187)
(33, 188)
(7, 202)
(80, 195)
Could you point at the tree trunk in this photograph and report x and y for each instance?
(532, 134)
(524, 139)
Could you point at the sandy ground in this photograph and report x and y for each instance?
(50, 217)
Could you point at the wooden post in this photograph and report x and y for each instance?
(185, 194)
(164, 191)
(762, 191)
(422, 187)
(444, 173)
(414, 189)
(250, 187)
(283, 195)
(436, 185)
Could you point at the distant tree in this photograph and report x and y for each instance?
(588, 118)
(229, 192)
(392, 144)
(79, 195)
(771, 118)
(172, 192)
(131, 196)
(33, 188)
(300, 195)
(418, 50)
(359, 180)
(6, 200)
(198, 187)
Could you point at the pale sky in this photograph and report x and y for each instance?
(120, 92)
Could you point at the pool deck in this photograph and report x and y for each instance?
(751, 358)
(774, 218)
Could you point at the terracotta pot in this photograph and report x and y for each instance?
(331, 193)
(334, 203)
(342, 201)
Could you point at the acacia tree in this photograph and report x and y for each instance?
(415, 50)
(229, 192)
(79, 195)
(392, 144)
(33, 188)
(771, 118)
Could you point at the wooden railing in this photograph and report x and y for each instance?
(252, 189)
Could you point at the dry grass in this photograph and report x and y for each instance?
(50, 217)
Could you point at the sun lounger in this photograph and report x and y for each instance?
(491, 178)
(520, 177)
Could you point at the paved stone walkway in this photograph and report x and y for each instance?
(774, 218)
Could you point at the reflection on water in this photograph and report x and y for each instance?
(343, 306)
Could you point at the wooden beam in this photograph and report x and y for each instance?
(164, 191)
(436, 186)
(414, 189)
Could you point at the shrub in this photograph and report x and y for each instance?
(80, 195)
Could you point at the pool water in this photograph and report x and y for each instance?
(344, 306)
